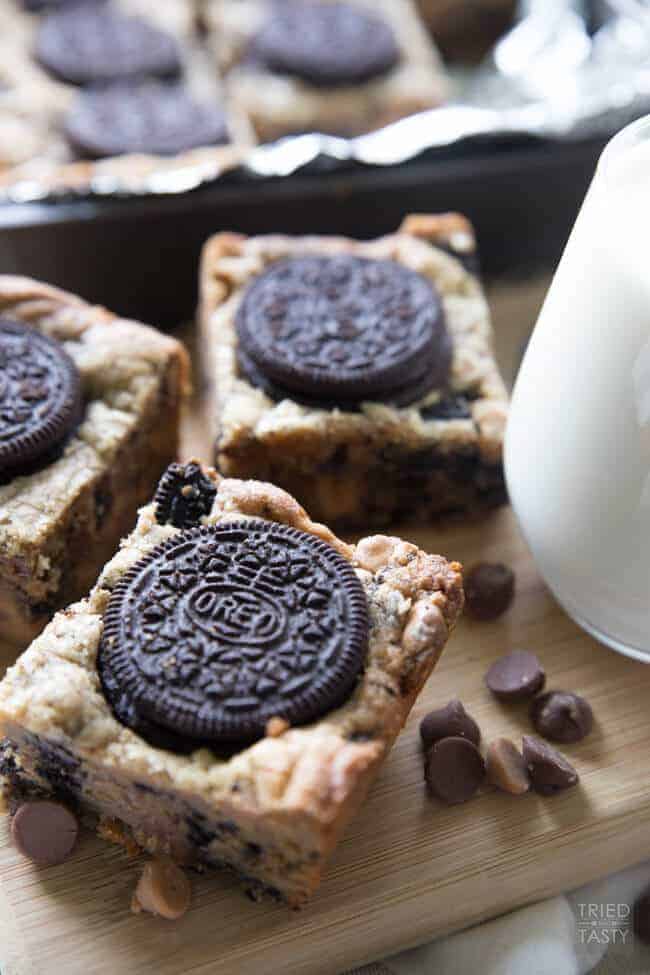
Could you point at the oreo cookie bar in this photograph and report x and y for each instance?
(89, 415)
(357, 375)
(229, 689)
(343, 67)
(114, 92)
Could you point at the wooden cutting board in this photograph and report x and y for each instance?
(409, 868)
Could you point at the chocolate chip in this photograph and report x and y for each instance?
(562, 716)
(489, 590)
(447, 408)
(184, 495)
(452, 721)
(550, 772)
(506, 768)
(516, 676)
(641, 917)
(454, 769)
(343, 330)
(45, 831)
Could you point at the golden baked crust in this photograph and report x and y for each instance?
(33, 149)
(300, 447)
(289, 795)
(58, 525)
(277, 104)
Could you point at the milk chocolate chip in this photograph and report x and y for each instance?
(516, 676)
(454, 769)
(506, 768)
(45, 831)
(562, 716)
(550, 772)
(452, 721)
(489, 590)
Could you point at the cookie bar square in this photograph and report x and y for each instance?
(61, 136)
(280, 102)
(60, 523)
(440, 453)
(273, 809)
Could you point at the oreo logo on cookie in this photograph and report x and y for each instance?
(234, 614)
(222, 628)
(342, 330)
(326, 43)
(40, 399)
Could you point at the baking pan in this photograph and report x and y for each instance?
(139, 255)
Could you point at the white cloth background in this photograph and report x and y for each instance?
(587, 931)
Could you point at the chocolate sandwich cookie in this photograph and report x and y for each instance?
(325, 44)
(337, 331)
(91, 44)
(184, 495)
(38, 6)
(44, 6)
(40, 399)
(151, 117)
(222, 628)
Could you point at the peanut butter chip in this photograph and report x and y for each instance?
(375, 552)
(276, 727)
(163, 889)
(506, 768)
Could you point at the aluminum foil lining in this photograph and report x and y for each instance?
(568, 70)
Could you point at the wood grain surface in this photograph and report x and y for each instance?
(409, 868)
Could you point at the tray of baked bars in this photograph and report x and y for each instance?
(106, 187)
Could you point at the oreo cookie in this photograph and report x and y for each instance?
(91, 44)
(343, 330)
(42, 6)
(222, 628)
(40, 399)
(151, 117)
(325, 43)
(184, 495)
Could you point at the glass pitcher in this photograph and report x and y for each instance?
(578, 441)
